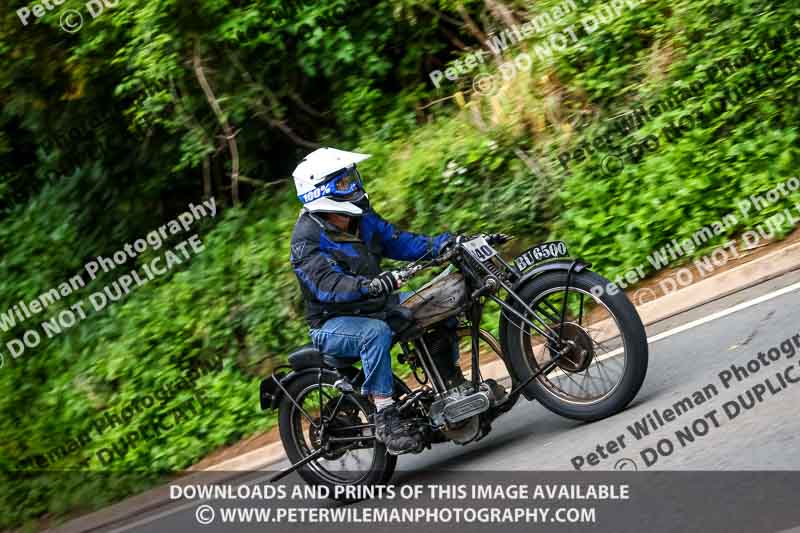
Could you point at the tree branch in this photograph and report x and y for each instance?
(305, 107)
(189, 118)
(226, 127)
(283, 127)
(470, 24)
(265, 112)
(455, 40)
(501, 12)
(441, 15)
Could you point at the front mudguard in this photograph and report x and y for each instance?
(506, 327)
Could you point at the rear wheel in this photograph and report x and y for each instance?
(336, 426)
(604, 358)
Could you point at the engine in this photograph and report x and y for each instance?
(457, 412)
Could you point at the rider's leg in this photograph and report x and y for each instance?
(457, 376)
(371, 340)
(452, 326)
(367, 338)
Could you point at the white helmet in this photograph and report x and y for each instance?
(327, 181)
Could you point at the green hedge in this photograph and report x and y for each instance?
(238, 301)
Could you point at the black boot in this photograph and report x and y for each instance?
(390, 431)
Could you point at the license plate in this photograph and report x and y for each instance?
(480, 249)
(541, 252)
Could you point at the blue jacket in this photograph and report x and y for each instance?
(334, 268)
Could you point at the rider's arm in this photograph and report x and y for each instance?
(323, 277)
(403, 245)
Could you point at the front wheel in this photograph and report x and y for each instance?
(318, 418)
(601, 339)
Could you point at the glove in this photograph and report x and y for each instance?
(451, 241)
(386, 283)
(498, 238)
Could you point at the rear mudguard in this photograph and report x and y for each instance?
(517, 368)
(271, 393)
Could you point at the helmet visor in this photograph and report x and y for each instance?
(346, 183)
(342, 186)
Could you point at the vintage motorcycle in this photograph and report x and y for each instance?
(568, 338)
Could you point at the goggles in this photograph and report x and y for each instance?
(342, 186)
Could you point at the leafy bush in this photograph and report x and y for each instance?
(487, 164)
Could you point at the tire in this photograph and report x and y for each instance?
(383, 464)
(633, 341)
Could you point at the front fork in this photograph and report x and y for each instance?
(475, 312)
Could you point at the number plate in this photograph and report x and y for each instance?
(541, 252)
(480, 249)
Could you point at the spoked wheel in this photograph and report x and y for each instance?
(335, 428)
(601, 342)
(489, 349)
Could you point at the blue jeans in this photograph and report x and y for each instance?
(367, 338)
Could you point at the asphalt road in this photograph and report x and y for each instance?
(681, 364)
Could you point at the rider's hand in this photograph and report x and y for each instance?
(498, 238)
(386, 283)
(447, 245)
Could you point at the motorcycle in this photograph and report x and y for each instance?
(569, 339)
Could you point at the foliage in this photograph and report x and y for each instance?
(106, 133)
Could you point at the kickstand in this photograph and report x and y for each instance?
(281, 475)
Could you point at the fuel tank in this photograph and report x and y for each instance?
(440, 298)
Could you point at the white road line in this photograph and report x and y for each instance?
(701, 321)
(723, 313)
(650, 340)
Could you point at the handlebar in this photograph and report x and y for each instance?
(405, 274)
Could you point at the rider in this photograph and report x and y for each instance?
(336, 249)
